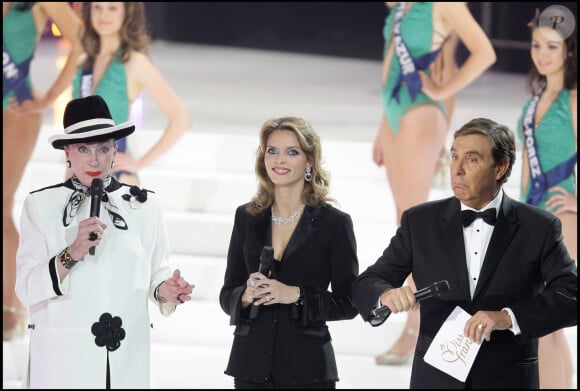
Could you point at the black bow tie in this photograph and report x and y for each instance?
(488, 215)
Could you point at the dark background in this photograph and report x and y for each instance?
(346, 29)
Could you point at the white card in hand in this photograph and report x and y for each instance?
(450, 351)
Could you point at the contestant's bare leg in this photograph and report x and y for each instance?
(19, 135)
(569, 232)
(410, 158)
(555, 361)
(442, 70)
(554, 356)
(417, 147)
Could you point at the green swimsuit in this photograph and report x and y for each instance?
(19, 38)
(113, 88)
(417, 32)
(555, 141)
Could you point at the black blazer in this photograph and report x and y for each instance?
(526, 268)
(289, 341)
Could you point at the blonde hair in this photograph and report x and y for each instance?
(316, 191)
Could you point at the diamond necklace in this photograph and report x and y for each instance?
(288, 220)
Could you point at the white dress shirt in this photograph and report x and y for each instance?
(476, 237)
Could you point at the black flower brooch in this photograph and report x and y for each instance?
(108, 332)
(137, 194)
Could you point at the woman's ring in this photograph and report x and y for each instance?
(252, 283)
(267, 297)
(179, 298)
(480, 326)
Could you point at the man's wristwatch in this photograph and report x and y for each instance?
(66, 259)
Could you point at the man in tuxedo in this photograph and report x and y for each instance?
(508, 268)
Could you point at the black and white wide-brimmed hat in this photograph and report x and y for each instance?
(87, 120)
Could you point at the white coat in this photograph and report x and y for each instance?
(119, 279)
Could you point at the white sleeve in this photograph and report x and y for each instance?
(160, 268)
(36, 280)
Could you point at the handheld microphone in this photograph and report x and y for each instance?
(266, 259)
(434, 290)
(97, 189)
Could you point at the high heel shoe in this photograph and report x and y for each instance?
(19, 329)
(388, 358)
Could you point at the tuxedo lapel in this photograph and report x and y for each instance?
(453, 230)
(307, 226)
(505, 228)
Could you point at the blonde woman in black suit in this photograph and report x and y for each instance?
(286, 343)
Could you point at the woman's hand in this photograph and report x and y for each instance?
(429, 87)
(125, 162)
(29, 106)
(250, 293)
(378, 149)
(269, 291)
(561, 201)
(175, 290)
(89, 234)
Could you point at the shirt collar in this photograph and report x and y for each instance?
(495, 203)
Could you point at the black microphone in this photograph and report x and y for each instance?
(97, 189)
(434, 290)
(266, 259)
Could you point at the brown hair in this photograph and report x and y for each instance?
(134, 33)
(537, 81)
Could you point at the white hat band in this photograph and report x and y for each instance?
(90, 123)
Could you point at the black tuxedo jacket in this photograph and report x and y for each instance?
(289, 341)
(526, 268)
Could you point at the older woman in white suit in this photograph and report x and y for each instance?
(89, 321)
